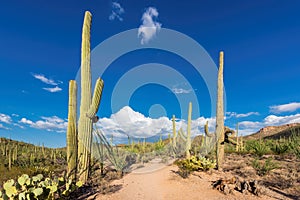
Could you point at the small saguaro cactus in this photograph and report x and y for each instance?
(9, 159)
(187, 137)
(174, 132)
(237, 147)
(72, 131)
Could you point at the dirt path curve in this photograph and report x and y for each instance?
(163, 184)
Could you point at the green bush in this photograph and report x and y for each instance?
(294, 144)
(279, 147)
(194, 163)
(259, 148)
(263, 167)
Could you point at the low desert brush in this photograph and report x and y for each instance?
(263, 167)
(194, 163)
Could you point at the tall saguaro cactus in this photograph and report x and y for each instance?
(219, 133)
(88, 105)
(79, 139)
(72, 131)
(189, 124)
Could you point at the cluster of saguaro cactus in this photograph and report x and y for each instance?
(89, 105)
(222, 133)
(186, 137)
(239, 140)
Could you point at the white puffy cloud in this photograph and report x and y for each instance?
(116, 12)
(53, 123)
(290, 107)
(128, 122)
(149, 27)
(5, 118)
(273, 120)
(55, 89)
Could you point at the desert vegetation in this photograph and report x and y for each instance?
(91, 160)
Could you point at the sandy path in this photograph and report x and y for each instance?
(164, 184)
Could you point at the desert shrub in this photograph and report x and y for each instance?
(259, 148)
(279, 147)
(194, 163)
(229, 148)
(263, 167)
(115, 155)
(295, 145)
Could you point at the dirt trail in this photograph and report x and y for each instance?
(163, 184)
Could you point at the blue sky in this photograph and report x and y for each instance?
(40, 53)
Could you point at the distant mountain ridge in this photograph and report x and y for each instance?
(276, 132)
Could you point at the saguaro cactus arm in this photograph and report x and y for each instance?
(207, 133)
(182, 135)
(96, 98)
(228, 133)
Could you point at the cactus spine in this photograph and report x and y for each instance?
(72, 131)
(88, 105)
(219, 132)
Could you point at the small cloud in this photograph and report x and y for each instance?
(42, 78)
(181, 91)
(3, 127)
(240, 115)
(290, 107)
(15, 115)
(53, 123)
(250, 124)
(55, 89)
(116, 12)
(18, 125)
(5, 118)
(26, 121)
(150, 26)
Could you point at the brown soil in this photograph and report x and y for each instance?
(163, 184)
